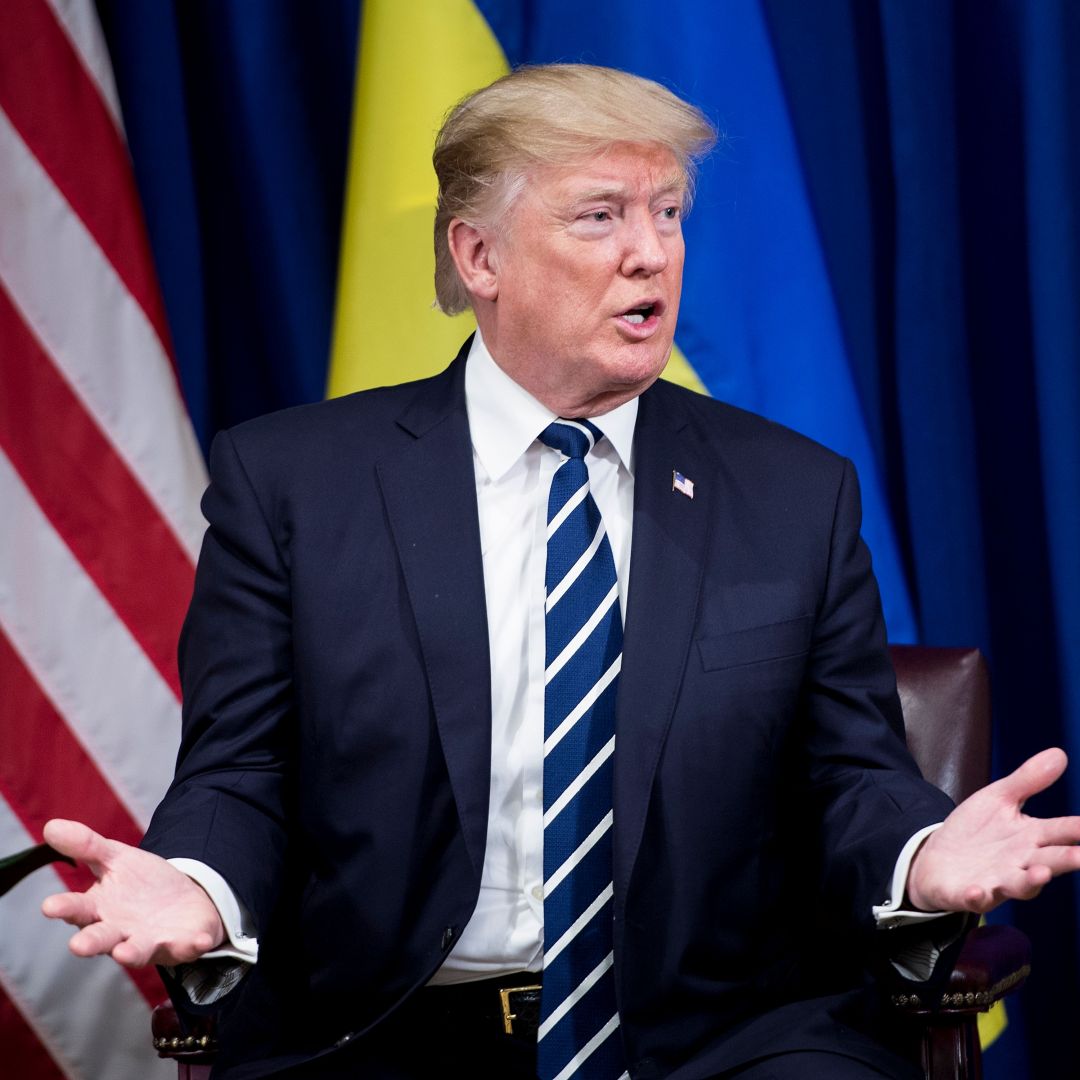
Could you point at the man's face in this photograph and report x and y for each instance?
(587, 275)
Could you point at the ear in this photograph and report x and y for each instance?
(474, 257)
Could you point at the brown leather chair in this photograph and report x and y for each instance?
(192, 1043)
(945, 696)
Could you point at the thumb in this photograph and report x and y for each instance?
(79, 841)
(1034, 775)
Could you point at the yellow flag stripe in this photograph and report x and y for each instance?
(415, 61)
(992, 1023)
(679, 371)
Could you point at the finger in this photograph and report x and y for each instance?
(97, 939)
(188, 950)
(1029, 883)
(74, 908)
(1023, 883)
(1035, 775)
(1062, 830)
(181, 952)
(133, 952)
(980, 900)
(977, 899)
(138, 950)
(1057, 860)
(79, 841)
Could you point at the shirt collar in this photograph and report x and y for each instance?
(504, 418)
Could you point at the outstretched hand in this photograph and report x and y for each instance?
(989, 851)
(141, 910)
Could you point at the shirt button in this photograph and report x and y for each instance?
(538, 892)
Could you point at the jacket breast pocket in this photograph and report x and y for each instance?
(756, 644)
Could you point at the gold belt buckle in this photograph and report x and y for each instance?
(508, 1016)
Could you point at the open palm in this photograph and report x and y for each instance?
(989, 851)
(141, 910)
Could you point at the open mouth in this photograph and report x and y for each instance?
(638, 315)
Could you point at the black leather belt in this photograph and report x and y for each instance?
(509, 1005)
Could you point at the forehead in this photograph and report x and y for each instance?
(623, 170)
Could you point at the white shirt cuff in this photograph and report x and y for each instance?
(217, 972)
(917, 961)
(891, 913)
(239, 928)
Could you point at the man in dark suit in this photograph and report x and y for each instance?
(367, 782)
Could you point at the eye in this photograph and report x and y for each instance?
(598, 215)
(670, 213)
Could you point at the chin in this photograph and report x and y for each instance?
(634, 365)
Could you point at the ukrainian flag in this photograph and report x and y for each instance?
(759, 325)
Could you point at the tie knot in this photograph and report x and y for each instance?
(574, 438)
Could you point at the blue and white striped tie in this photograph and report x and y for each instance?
(579, 1025)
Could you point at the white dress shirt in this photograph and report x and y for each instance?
(513, 471)
(513, 477)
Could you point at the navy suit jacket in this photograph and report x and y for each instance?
(335, 759)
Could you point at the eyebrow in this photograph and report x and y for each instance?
(603, 194)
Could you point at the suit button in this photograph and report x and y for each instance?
(448, 937)
(346, 1038)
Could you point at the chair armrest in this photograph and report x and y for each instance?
(13, 868)
(993, 961)
(190, 1041)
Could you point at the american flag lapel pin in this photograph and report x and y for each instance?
(682, 484)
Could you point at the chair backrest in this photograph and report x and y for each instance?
(945, 695)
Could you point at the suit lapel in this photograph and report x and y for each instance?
(430, 493)
(666, 567)
(429, 488)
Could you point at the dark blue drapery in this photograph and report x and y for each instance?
(936, 148)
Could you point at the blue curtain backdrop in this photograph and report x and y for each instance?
(885, 253)
(237, 116)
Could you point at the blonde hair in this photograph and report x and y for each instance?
(553, 114)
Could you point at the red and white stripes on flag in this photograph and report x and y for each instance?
(100, 478)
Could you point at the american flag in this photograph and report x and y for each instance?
(100, 477)
(682, 484)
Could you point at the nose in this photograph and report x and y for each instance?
(646, 253)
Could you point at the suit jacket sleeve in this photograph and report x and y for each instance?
(226, 805)
(857, 767)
